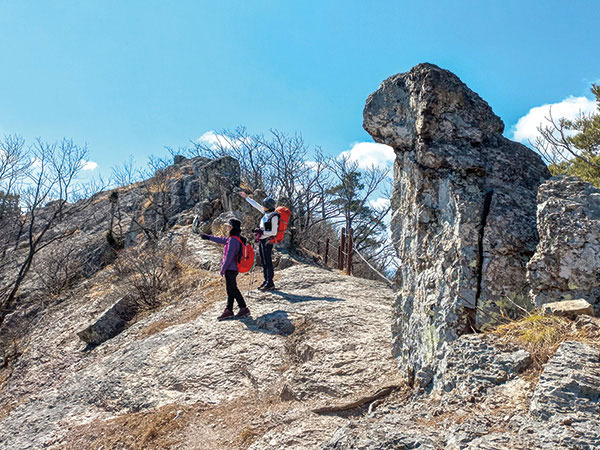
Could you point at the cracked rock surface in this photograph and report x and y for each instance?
(480, 401)
(463, 206)
(322, 338)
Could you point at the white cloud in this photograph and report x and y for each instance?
(526, 128)
(368, 154)
(210, 138)
(214, 140)
(89, 165)
(380, 203)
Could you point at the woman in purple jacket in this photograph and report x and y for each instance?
(229, 269)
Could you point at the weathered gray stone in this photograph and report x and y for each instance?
(570, 383)
(566, 263)
(475, 364)
(111, 323)
(204, 210)
(178, 355)
(178, 159)
(276, 322)
(222, 219)
(569, 308)
(463, 210)
(219, 179)
(284, 262)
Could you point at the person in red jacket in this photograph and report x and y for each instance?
(229, 269)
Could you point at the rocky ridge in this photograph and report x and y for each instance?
(314, 366)
(322, 339)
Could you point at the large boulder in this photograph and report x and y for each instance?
(566, 264)
(111, 322)
(464, 205)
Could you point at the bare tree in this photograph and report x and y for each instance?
(49, 187)
(248, 149)
(297, 180)
(126, 174)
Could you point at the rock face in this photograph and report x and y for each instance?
(566, 264)
(464, 206)
(571, 377)
(478, 401)
(293, 354)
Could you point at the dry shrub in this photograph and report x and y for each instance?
(59, 267)
(541, 334)
(146, 430)
(150, 270)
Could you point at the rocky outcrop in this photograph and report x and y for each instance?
(566, 263)
(474, 364)
(569, 384)
(463, 210)
(111, 323)
(479, 402)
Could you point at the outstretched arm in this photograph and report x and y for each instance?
(252, 202)
(217, 239)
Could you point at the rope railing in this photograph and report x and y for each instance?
(390, 282)
(345, 253)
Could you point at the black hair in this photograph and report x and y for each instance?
(238, 233)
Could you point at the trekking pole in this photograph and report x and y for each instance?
(252, 272)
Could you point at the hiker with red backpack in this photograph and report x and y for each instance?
(272, 228)
(234, 258)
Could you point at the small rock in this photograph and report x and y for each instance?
(569, 308)
(285, 262)
(111, 323)
(287, 394)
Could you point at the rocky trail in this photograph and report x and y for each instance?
(177, 378)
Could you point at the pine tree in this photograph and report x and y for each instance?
(583, 146)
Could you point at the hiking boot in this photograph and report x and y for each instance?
(243, 312)
(269, 287)
(262, 286)
(227, 314)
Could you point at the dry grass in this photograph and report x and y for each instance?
(235, 425)
(137, 431)
(541, 334)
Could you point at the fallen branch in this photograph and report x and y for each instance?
(383, 392)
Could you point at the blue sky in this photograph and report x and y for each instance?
(130, 77)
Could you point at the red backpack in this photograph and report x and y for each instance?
(284, 217)
(246, 257)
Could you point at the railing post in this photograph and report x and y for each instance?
(349, 252)
(341, 250)
(326, 251)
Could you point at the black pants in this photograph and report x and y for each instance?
(233, 293)
(265, 250)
